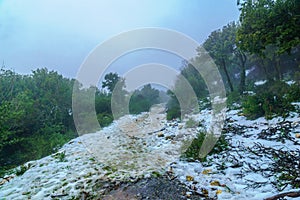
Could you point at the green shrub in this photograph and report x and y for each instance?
(173, 113)
(252, 107)
(142, 100)
(105, 119)
(232, 98)
(21, 170)
(271, 99)
(293, 93)
(193, 150)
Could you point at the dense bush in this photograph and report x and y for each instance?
(36, 115)
(173, 107)
(142, 100)
(233, 98)
(293, 94)
(173, 113)
(105, 119)
(271, 99)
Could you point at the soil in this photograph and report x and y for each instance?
(152, 188)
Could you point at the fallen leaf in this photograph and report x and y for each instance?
(189, 178)
(215, 183)
(207, 171)
(204, 192)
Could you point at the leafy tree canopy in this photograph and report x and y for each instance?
(269, 22)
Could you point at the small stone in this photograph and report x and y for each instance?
(160, 134)
(297, 135)
(25, 193)
(170, 137)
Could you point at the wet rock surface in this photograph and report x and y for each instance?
(152, 188)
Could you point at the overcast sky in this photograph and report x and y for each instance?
(59, 34)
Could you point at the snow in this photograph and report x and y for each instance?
(257, 83)
(134, 147)
(248, 71)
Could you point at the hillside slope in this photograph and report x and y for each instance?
(139, 157)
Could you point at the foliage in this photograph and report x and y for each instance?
(60, 156)
(252, 107)
(293, 94)
(193, 150)
(105, 119)
(110, 81)
(271, 99)
(142, 100)
(269, 22)
(21, 170)
(173, 108)
(233, 98)
(222, 48)
(195, 80)
(36, 115)
(198, 85)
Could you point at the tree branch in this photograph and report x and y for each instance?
(285, 194)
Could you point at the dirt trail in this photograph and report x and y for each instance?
(135, 144)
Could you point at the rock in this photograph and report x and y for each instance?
(153, 188)
(297, 135)
(25, 193)
(170, 137)
(160, 134)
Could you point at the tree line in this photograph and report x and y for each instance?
(36, 112)
(263, 45)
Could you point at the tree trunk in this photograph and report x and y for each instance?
(278, 71)
(227, 75)
(268, 76)
(242, 57)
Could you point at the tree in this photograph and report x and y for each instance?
(110, 81)
(35, 115)
(195, 79)
(221, 45)
(143, 99)
(269, 24)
